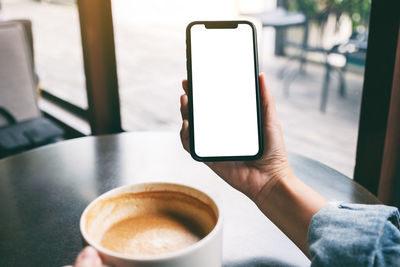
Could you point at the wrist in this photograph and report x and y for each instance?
(275, 185)
(290, 205)
(289, 189)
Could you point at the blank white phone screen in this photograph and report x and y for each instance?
(224, 91)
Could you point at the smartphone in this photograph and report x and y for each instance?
(223, 91)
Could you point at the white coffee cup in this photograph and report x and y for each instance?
(124, 202)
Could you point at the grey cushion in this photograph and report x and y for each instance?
(17, 86)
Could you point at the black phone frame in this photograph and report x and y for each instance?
(223, 25)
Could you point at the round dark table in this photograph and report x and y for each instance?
(44, 191)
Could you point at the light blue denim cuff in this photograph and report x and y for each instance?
(343, 234)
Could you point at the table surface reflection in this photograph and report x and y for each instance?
(44, 191)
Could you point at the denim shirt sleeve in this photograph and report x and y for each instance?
(355, 235)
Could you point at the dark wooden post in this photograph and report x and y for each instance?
(377, 99)
(100, 66)
(389, 184)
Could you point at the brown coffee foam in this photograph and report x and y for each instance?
(192, 212)
(149, 234)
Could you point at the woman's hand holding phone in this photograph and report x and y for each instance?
(269, 181)
(258, 177)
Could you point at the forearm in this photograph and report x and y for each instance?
(290, 205)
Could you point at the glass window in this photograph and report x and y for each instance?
(57, 45)
(319, 102)
(312, 52)
(150, 48)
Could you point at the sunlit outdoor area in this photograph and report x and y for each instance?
(316, 81)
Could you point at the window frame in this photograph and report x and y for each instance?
(378, 103)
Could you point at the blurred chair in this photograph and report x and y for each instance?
(22, 125)
(17, 86)
(352, 51)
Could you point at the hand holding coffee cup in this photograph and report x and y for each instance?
(154, 224)
(88, 257)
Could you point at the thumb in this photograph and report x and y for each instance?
(88, 258)
(268, 110)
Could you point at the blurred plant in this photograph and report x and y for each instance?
(319, 10)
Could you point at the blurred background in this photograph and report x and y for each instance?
(312, 52)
